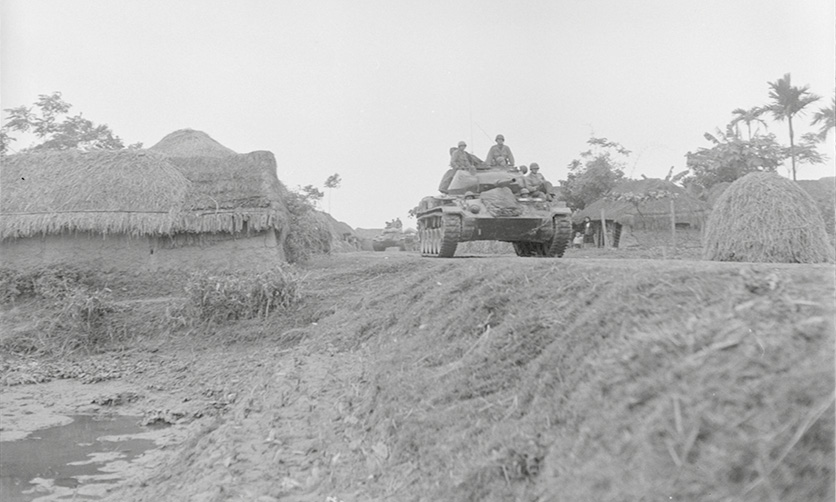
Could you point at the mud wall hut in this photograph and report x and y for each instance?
(647, 205)
(141, 210)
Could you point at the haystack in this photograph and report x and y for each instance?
(191, 143)
(763, 217)
(823, 192)
(130, 192)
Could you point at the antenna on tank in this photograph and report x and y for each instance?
(470, 109)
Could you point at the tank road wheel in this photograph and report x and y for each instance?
(562, 236)
(438, 235)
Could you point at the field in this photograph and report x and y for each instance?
(633, 374)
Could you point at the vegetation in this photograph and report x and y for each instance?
(827, 117)
(331, 183)
(598, 170)
(748, 117)
(242, 295)
(77, 313)
(787, 102)
(732, 157)
(306, 236)
(55, 133)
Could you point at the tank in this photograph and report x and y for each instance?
(491, 204)
(392, 236)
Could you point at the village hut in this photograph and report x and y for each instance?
(143, 210)
(650, 205)
(234, 206)
(764, 217)
(102, 208)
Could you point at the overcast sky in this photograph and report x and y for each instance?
(378, 91)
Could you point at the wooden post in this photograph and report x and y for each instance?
(673, 225)
(604, 229)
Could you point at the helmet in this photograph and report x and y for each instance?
(500, 137)
(462, 143)
(534, 166)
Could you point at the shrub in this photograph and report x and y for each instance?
(242, 295)
(306, 236)
(50, 283)
(763, 217)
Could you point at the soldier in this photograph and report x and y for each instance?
(500, 154)
(461, 159)
(537, 183)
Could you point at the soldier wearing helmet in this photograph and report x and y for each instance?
(499, 154)
(460, 159)
(537, 183)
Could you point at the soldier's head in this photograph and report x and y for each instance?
(523, 169)
(500, 138)
(462, 145)
(534, 167)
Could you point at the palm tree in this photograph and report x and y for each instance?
(788, 101)
(747, 117)
(828, 117)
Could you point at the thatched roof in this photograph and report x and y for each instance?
(685, 205)
(191, 143)
(225, 193)
(126, 191)
(139, 192)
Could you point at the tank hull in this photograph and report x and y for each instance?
(535, 226)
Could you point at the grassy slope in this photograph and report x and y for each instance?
(502, 378)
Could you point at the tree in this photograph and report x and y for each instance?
(787, 102)
(598, 170)
(331, 183)
(731, 157)
(75, 132)
(311, 194)
(748, 117)
(827, 116)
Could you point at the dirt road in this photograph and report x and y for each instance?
(487, 378)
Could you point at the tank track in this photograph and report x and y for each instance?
(439, 235)
(562, 237)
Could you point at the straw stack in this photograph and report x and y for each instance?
(763, 217)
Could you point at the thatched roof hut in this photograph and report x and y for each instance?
(653, 213)
(130, 192)
(143, 208)
(238, 193)
(191, 143)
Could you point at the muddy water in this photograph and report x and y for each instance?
(76, 461)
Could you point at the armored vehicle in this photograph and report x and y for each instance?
(492, 204)
(394, 236)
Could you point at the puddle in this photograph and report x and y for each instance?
(70, 462)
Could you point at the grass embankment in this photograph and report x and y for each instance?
(603, 380)
(497, 378)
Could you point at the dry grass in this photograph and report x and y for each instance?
(598, 382)
(191, 143)
(498, 378)
(764, 217)
(139, 193)
(126, 191)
